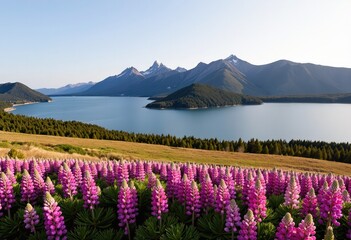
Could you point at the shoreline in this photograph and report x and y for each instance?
(10, 109)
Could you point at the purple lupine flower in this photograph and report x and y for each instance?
(228, 178)
(7, 195)
(272, 179)
(257, 201)
(31, 218)
(310, 203)
(163, 172)
(68, 181)
(207, 193)
(307, 229)
(11, 176)
(183, 189)
(152, 180)
(239, 179)
(27, 188)
(122, 173)
(159, 200)
(140, 171)
(280, 184)
(192, 202)
(188, 170)
(233, 219)
(173, 181)
(49, 186)
(90, 191)
(286, 228)
(39, 184)
(346, 196)
(248, 229)
(110, 175)
(53, 219)
(249, 184)
(331, 205)
(222, 198)
(291, 196)
(77, 172)
(127, 207)
(322, 193)
(306, 184)
(329, 235)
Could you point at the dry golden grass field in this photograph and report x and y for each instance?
(45, 147)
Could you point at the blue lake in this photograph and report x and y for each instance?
(325, 122)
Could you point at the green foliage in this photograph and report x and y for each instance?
(70, 210)
(70, 149)
(99, 218)
(211, 226)
(12, 228)
(265, 231)
(180, 232)
(14, 153)
(82, 233)
(109, 196)
(274, 201)
(40, 235)
(144, 197)
(151, 228)
(110, 234)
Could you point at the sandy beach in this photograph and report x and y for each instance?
(10, 109)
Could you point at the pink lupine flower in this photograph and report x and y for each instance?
(122, 173)
(7, 195)
(77, 172)
(159, 200)
(31, 218)
(183, 189)
(222, 198)
(68, 181)
(152, 180)
(228, 178)
(346, 196)
(90, 191)
(49, 186)
(207, 193)
(233, 219)
(331, 205)
(310, 203)
(257, 201)
(53, 219)
(307, 229)
(286, 228)
(306, 184)
(192, 202)
(140, 171)
(127, 207)
(291, 196)
(173, 181)
(348, 235)
(27, 188)
(39, 184)
(248, 229)
(249, 184)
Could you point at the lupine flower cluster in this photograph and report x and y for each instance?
(225, 192)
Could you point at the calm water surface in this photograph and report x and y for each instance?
(325, 122)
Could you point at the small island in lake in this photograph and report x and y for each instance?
(202, 96)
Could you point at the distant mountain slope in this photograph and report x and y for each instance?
(202, 96)
(232, 74)
(67, 90)
(20, 93)
(321, 98)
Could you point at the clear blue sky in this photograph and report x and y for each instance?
(50, 43)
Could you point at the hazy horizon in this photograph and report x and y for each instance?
(54, 43)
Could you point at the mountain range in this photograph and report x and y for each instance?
(280, 78)
(67, 90)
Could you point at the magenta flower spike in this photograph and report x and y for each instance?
(307, 229)
(183, 189)
(27, 188)
(192, 202)
(49, 186)
(127, 207)
(257, 201)
(77, 172)
(53, 219)
(346, 196)
(90, 191)
(69, 185)
(159, 201)
(11, 176)
(39, 184)
(152, 180)
(122, 173)
(222, 198)
(306, 184)
(229, 180)
(207, 193)
(310, 204)
(348, 235)
(248, 230)
(249, 184)
(232, 221)
(286, 228)
(140, 171)
(7, 195)
(31, 218)
(331, 206)
(292, 196)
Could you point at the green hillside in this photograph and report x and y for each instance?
(202, 96)
(20, 93)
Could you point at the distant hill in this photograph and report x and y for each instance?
(280, 78)
(321, 98)
(202, 96)
(20, 93)
(67, 90)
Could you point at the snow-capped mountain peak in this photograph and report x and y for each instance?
(180, 69)
(232, 59)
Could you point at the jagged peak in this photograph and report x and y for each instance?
(180, 69)
(155, 68)
(232, 59)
